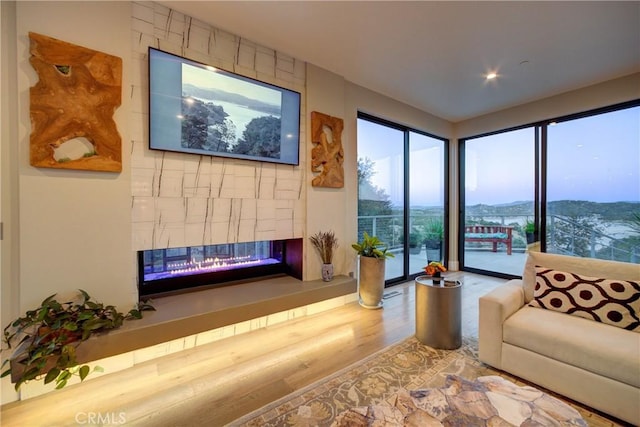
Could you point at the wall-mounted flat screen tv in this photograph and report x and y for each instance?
(199, 109)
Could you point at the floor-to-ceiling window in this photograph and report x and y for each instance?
(401, 194)
(586, 201)
(381, 189)
(593, 186)
(427, 188)
(499, 199)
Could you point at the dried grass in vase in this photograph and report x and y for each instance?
(325, 242)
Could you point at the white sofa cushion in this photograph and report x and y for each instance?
(576, 341)
(588, 266)
(615, 302)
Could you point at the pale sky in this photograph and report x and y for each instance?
(595, 158)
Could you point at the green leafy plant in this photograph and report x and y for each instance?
(415, 238)
(529, 227)
(434, 229)
(325, 242)
(371, 246)
(45, 339)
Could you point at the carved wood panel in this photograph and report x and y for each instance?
(327, 154)
(72, 106)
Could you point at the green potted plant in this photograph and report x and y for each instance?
(415, 241)
(325, 242)
(372, 255)
(434, 236)
(44, 340)
(529, 231)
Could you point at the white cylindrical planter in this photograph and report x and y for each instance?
(371, 281)
(438, 313)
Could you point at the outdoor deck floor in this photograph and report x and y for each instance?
(481, 259)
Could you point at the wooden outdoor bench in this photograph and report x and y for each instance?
(489, 233)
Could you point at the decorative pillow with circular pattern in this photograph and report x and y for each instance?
(615, 302)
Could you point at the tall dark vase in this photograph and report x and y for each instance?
(433, 249)
(437, 277)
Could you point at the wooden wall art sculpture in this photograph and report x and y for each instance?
(327, 154)
(72, 106)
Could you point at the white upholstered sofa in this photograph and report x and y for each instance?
(589, 361)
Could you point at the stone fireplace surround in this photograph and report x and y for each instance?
(181, 200)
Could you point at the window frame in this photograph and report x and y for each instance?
(540, 171)
(406, 180)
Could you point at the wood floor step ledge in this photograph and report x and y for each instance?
(180, 316)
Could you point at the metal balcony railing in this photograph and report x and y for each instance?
(564, 235)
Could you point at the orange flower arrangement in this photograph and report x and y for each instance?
(434, 267)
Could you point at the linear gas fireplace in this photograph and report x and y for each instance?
(175, 270)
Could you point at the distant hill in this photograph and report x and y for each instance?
(511, 209)
(234, 98)
(606, 211)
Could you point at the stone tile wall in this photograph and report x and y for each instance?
(190, 200)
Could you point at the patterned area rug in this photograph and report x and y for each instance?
(484, 402)
(408, 365)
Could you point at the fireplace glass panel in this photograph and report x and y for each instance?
(173, 269)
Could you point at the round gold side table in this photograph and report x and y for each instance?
(438, 312)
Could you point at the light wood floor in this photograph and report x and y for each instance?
(216, 383)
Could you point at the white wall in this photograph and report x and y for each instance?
(8, 163)
(10, 289)
(600, 95)
(64, 229)
(75, 226)
(324, 212)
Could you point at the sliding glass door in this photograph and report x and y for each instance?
(401, 193)
(593, 186)
(499, 192)
(381, 189)
(427, 188)
(569, 186)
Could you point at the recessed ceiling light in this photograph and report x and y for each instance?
(491, 76)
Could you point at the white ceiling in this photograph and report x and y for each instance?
(433, 55)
